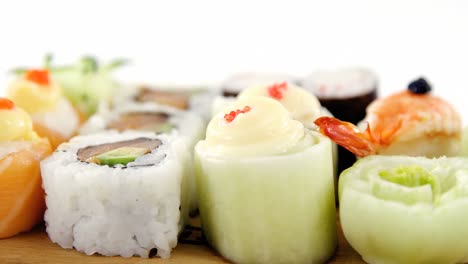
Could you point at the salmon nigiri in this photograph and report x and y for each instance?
(21, 150)
(52, 114)
(412, 122)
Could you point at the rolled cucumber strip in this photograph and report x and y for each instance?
(269, 209)
(396, 209)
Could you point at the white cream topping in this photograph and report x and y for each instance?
(266, 129)
(301, 104)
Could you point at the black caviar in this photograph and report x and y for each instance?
(419, 86)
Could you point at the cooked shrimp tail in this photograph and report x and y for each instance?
(347, 135)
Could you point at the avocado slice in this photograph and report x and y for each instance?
(122, 155)
(164, 128)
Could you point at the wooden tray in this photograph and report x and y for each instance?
(35, 247)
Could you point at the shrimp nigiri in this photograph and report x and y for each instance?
(412, 122)
(21, 150)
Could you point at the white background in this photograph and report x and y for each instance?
(204, 41)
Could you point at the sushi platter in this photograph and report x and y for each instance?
(261, 168)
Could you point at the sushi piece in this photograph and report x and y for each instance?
(265, 186)
(301, 104)
(148, 117)
(117, 193)
(21, 150)
(155, 118)
(234, 85)
(180, 97)
(412, 122)
(87, 84)
(346, 93)
(397, 209)
(53, 115)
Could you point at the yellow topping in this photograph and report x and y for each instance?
(264, 129)
(15, 124)
(34, 97)
(302, 105)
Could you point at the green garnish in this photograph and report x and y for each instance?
(412, 176)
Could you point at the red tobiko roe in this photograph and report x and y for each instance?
(276, 90)
(40, 77)
(6, 104)
(233, 114)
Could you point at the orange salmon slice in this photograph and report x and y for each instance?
(22, 201)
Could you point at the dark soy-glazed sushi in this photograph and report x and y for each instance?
(346, 93)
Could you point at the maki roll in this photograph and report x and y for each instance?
(412, 122)
(265, 186)
(148, 117)
(117, 193)
(21, 150)
(154, 118)
(184, 98)
(346, 93)
(234, 85)
(397, 209)
(53, 115)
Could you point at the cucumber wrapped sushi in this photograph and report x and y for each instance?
(117, 193)
(301, 105)
(265, 186)
(397, 209)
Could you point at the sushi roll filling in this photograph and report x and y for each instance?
(149, 121)
(118, 153)
(229, 93)
(178, 100)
